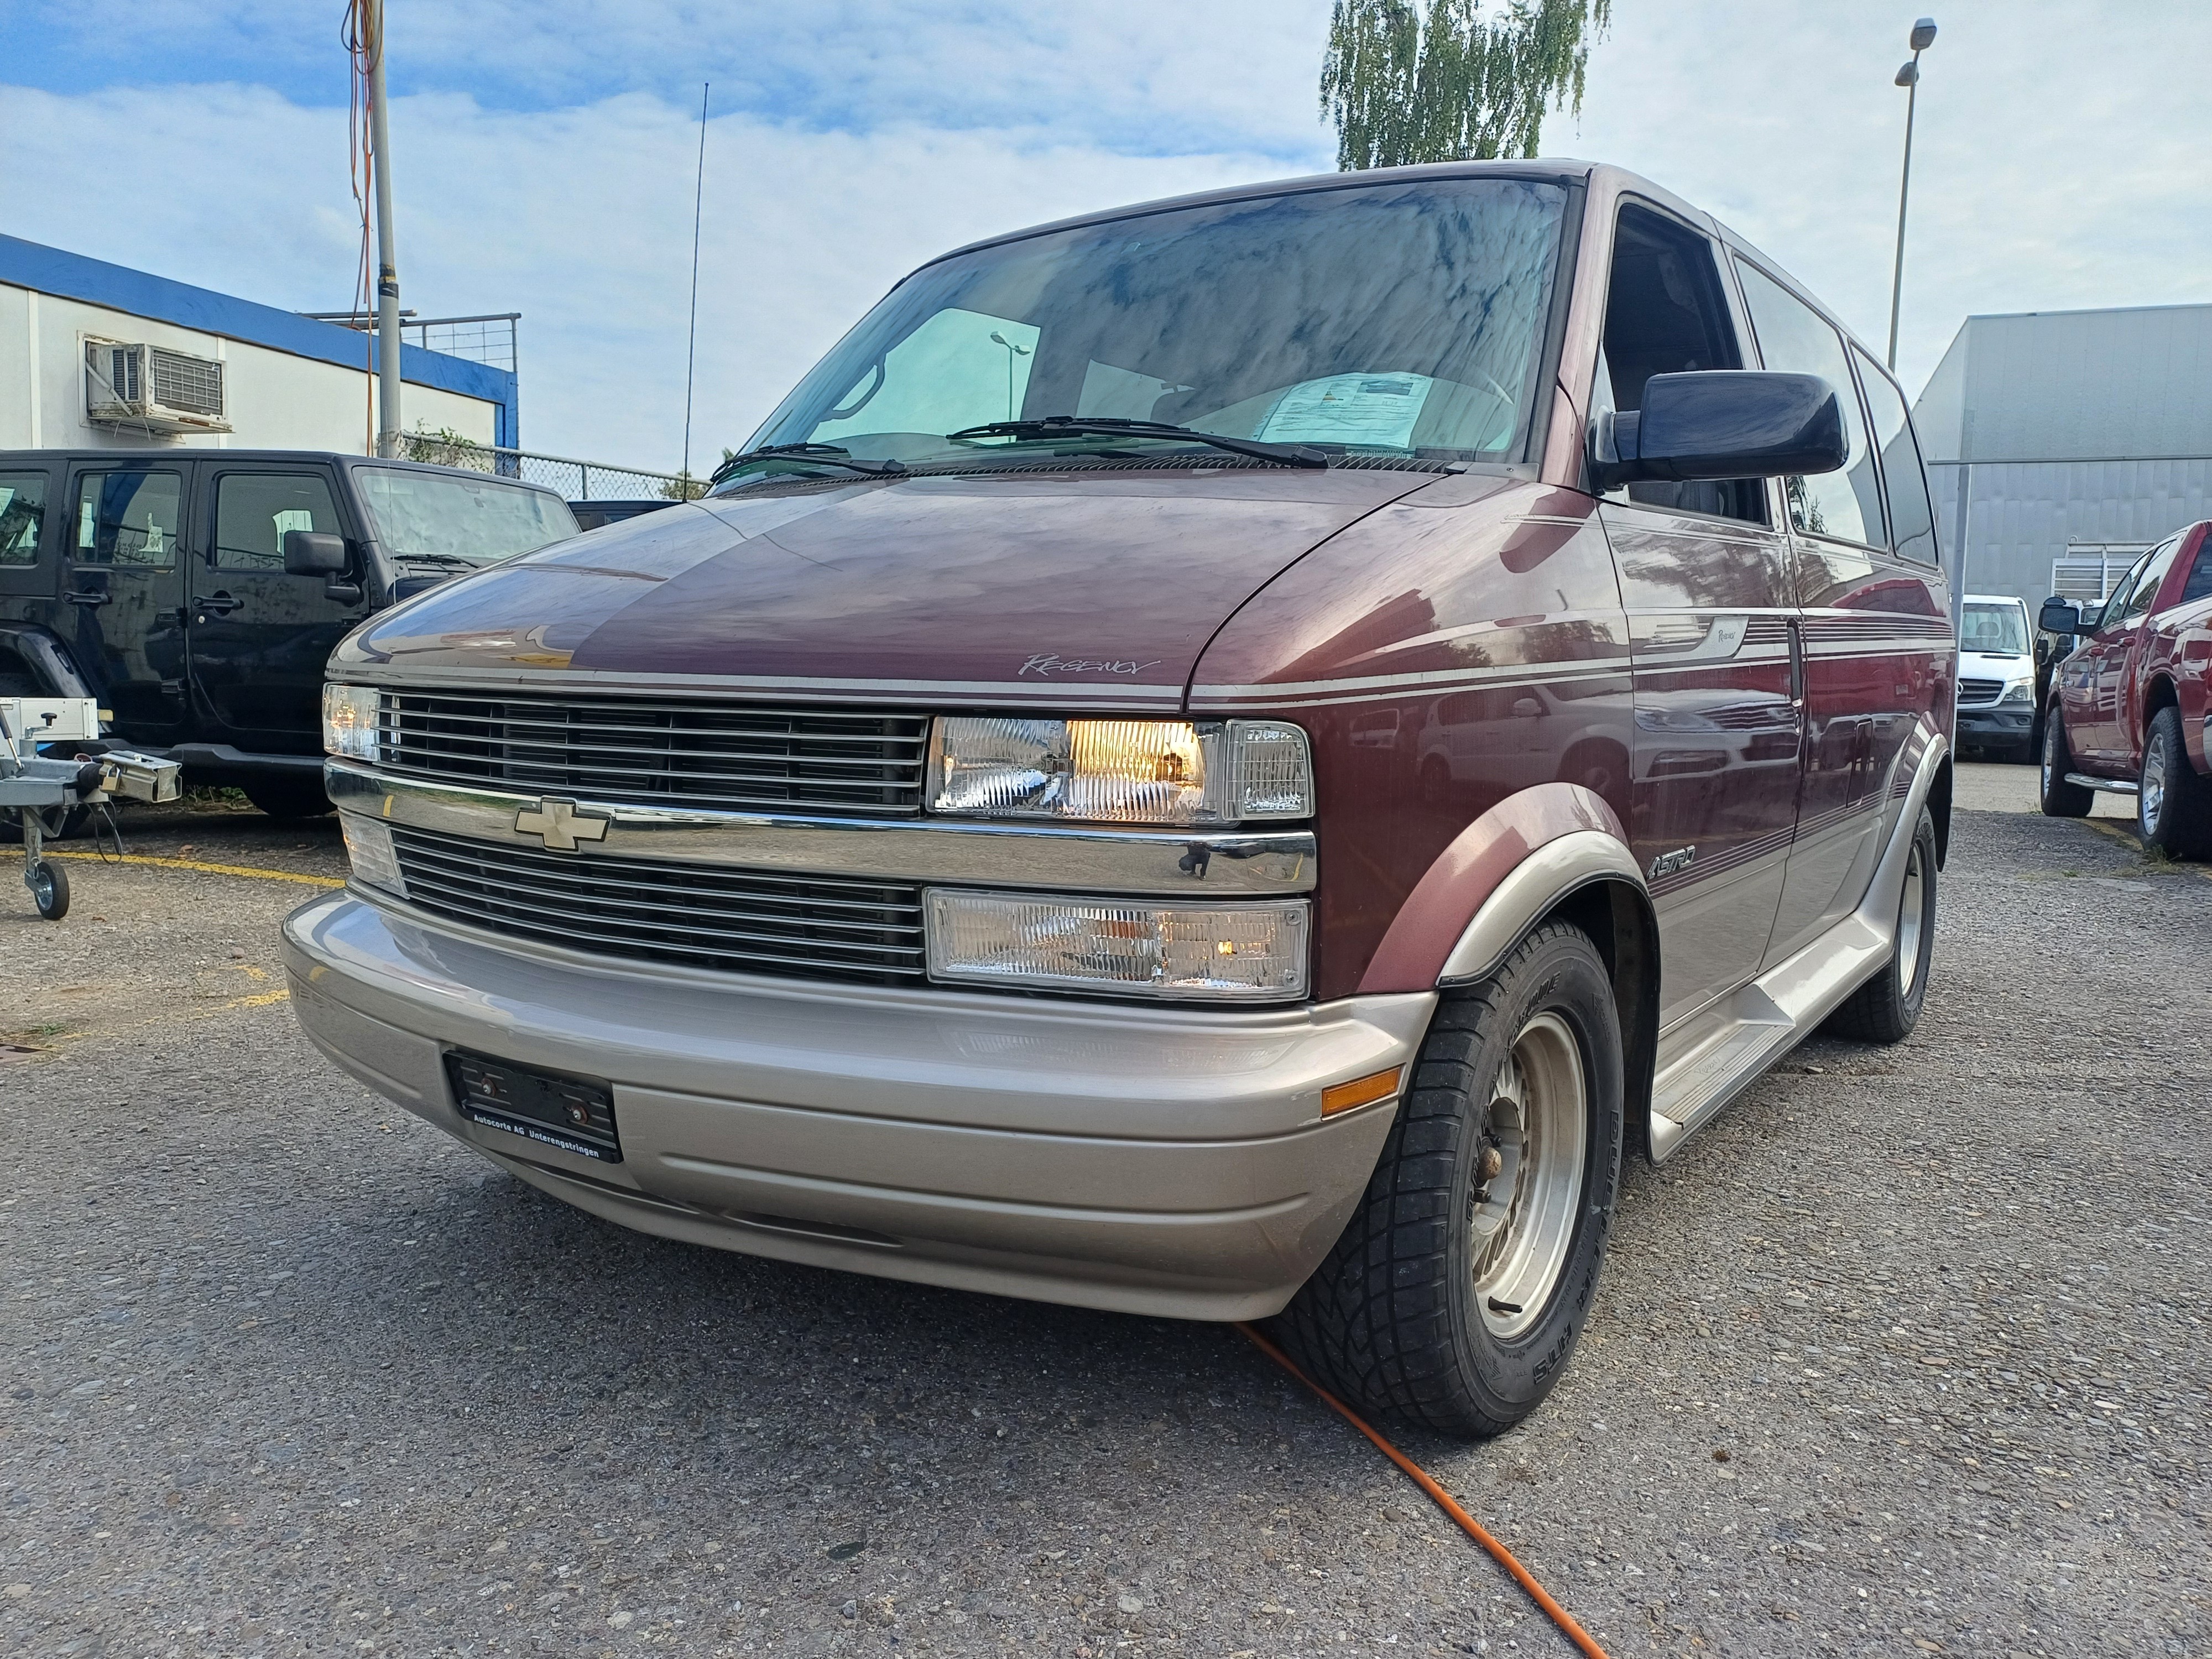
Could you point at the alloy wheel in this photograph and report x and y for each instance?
(1910, 919)
(2151, 796)
(1528, 1187)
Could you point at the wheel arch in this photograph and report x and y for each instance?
(1554, 852)
(1939, 807)
(2161, 692)
(39, 657)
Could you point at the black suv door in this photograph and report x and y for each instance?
(259, 638)
(123, 592)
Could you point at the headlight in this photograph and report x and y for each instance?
(2019, 691)
(1119, 771)
(368, 849)
(1231, 952)
(350, 721)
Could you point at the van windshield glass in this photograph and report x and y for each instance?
(1399, 320)
(1995, 630)
(436, 515)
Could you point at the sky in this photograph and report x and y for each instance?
(544, 150)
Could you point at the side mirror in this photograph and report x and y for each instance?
(2060, 616)
(313, 553)
(1725, 423)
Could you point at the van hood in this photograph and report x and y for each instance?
(1985, 666)
(1071, 587)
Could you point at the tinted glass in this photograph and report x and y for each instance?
(1996, 630)
(1911, 519)
(436, 516)
(2198, 586)
(1796, 339)
(128, 518)
(1399, 318)
(2144, 593)
(23, 515)
(2116, 602)
(253, 510)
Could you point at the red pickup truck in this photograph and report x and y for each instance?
(2128, 708)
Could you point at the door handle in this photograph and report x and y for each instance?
(220, 602)
(87, 596)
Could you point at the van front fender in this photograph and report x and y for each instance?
(1501, 875)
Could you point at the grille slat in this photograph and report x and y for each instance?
(740, 920)
(1980, 690)
(675, 753)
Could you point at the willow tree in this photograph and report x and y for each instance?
(1451, 85)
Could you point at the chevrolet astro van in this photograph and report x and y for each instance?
(996, 839)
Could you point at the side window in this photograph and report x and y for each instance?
(128, 518)
(2144, 593)
(1911, 519)
(1795, 339)
(2199, 586)
(1665, 314)
(22, 516)
(2116, 602)
(253, 511)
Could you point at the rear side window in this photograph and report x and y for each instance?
(22, 516)
(1665, 314)
(1911, 520)
(128, 518)
(1795, 339)
(2199, 584)
(253, 511)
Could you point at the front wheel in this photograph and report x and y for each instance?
(1887, 1006)
(2060, 800)
(1462, 1282)
(49, 885)
(2173, 801)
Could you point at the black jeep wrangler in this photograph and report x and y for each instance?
(196, 593)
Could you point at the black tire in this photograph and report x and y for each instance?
(1393, 1320)
(49, 885)
(2173, 799)
(289, 798)
(2060, 800)
(1887, 1006)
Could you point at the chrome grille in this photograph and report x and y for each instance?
(737, 756)
(1980, 690)
(701, 916)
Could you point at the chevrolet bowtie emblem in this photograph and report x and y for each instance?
(559, 823)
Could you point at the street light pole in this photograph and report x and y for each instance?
(387, 241)
(1923, 36)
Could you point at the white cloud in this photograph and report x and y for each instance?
(548, 168)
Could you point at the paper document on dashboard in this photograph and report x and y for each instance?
(1371, 411)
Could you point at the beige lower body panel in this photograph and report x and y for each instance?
(1157, 1160)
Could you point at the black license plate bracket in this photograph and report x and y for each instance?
(570, 1114)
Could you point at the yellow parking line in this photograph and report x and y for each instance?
(2129, 838)
(210, 869)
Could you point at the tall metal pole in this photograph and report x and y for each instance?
(387, 243)
(1923, 36)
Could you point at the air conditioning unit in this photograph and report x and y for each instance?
(152, 389)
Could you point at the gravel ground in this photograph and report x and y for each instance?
(1908, 1354)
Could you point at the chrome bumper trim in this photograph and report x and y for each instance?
(1049, 857)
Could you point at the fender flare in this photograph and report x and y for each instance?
(1498, 877)
(46, 658)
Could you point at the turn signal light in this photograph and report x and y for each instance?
(1360, 1091)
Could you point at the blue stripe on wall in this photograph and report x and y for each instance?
(73, 276)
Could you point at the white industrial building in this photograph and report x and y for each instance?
(94, 355)
(2062, 443)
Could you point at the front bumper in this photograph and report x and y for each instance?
(2009, 723)
(1164, 1161)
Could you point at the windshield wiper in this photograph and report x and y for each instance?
(819, 454)
(450, 561)
(1112, 426)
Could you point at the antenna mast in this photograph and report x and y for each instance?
(691, 344)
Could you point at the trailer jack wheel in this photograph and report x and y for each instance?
(49, 885)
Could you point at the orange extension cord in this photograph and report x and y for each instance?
(1444, 1501)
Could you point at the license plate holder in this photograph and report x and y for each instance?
(573, 1115)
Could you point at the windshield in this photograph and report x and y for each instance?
(1402, 320)
(1995, 630)
(436, 515)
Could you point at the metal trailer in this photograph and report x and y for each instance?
(33, 786)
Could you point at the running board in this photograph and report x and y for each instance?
(2110, 786)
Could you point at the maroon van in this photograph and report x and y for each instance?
(1220, 759)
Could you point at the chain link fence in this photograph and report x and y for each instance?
(576, 480)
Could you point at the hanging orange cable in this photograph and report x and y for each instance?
(1444, 1501)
